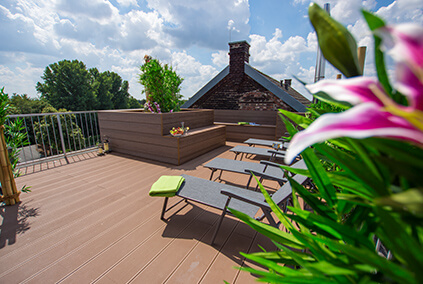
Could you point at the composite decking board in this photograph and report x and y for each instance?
(149, 156)
(234, 116)
(138, 137)
(239, 240)
(99, 244)
(134, 127)
(142, 148)
(145, 254)
(182, 245)
(140, 117)
(197, 262)
(56, 205)
(197, 145)
(68, 236)
(116, 231)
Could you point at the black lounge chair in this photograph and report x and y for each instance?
(268, 143)
(270, 153)
(264, 169)
(221, 196)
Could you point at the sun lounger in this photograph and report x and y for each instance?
(267, 143)
(244, 167)
(263, 170)
(270, 153)
(221, 196)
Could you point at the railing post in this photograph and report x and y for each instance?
(62, 139)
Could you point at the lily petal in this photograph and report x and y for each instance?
(409, 85)
(362, 121)
(407, 40)
(353, 90)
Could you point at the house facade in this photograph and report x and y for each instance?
(241, 87)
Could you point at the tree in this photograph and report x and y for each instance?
(101, 86)
(67, 84)
(161, 85)
(47, 132)
(22, 104)
(119, 90)
(134, 103)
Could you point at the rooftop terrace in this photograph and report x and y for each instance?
(93, 221)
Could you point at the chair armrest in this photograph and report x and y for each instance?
(269, 163)
(281, 153)
(248, 199)
(266, 175)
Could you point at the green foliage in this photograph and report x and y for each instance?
(14, 135)
(336, 42)
(363, 191)
(161, 85)
(22, 104)
(48, 136)
(68, 84)
(134, 103)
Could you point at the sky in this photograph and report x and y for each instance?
(190, 35)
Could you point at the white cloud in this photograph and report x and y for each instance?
(127, 3)
(37, 33)
(195, 74)
(220, 58)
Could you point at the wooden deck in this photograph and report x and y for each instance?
(93, 221)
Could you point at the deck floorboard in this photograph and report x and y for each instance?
(93, 221)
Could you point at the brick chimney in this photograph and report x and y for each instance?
(238, 54)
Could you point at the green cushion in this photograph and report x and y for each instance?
(166, 186)
(243, 123)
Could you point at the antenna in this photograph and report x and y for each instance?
(320, 60)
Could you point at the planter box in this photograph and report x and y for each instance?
(146, 135)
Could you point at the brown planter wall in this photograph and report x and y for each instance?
(146, 135)
(270, 128)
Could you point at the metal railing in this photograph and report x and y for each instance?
(56, 135)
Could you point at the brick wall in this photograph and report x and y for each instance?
(237, 91)
(240, 94)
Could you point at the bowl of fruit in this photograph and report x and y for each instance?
(178, 131)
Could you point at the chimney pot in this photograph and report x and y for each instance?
(288, 83)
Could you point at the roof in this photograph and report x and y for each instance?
(290, 96)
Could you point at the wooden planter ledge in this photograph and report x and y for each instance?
(146, 135)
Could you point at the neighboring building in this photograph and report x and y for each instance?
(241, 87)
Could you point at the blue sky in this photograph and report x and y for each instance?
(191, 35)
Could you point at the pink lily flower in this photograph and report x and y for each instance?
(374, 112)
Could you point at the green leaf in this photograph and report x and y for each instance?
(336, 42)
(354, 168)
(269, 231)
(360, 150)
(406, 249)
(330, 228)
(284, 270)
(370, 257)
(343, 181)
(300, 120)
(275, 208)
(311, 200)
(288, 125)
(373, 21)
(283, 257)
(319, 176)
(328, 99)
(410, 202)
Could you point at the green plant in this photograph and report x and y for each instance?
(14, 135)
(161, 85)
(374, 194)
(47, 132)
